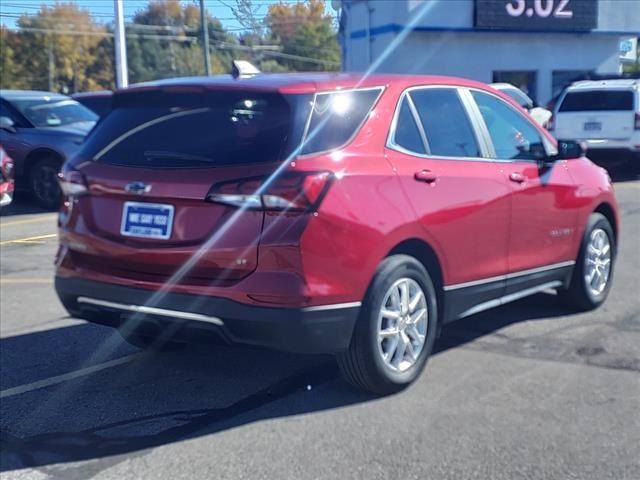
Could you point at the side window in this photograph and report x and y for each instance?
(5, 112)
(513, 137)
(337, 117)
(446, 124)
(407, 134)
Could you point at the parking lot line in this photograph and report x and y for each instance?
(48, 218)
(47, 382)
(29, 239)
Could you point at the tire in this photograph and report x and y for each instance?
(150, 341)
(43, 183)
(580, 295)
(374, 365)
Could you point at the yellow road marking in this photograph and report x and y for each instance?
(29, 239)
(42, 281)
(28, 220)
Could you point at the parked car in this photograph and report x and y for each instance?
(98, 102)
(6, 178)
(39, 130)
(539, 114)
(326, 213)
(605, 114)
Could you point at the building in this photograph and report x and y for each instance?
(537, 45)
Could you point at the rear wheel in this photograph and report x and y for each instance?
(593, 271)
(43, 180)
(396, 328)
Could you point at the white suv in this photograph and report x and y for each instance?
(604, 113)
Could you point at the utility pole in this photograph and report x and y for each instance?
(51, 61)
(122, 74)
(205, 38)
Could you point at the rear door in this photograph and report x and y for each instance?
(460, 198)
(150, 165)
(543, 198)
(596, 114)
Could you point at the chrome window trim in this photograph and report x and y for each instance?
(548, 146)
(390, 144)
(418, 122)
(508, 276)
(302, 156)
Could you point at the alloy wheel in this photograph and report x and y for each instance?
(402, 324)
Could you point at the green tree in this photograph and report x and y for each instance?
(11, 72)
(304, 30)
(165, 41)
(57, 48)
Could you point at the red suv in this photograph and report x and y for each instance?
(326, 213)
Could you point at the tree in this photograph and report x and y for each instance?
(306, 31)
(11, 72)
(151, 56)
(57, 46)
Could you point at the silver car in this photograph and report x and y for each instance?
(40, 130)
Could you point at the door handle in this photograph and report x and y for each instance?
(426, 176)
(517, 177)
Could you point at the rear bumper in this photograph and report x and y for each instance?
(322, 329)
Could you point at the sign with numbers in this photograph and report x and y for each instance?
(538, 15)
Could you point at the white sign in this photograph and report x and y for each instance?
(629, 50)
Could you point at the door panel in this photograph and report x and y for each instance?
(543, 217)
(465, 209)
(543, 224)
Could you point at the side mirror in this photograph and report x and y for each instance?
(568, 149)
(7, 124)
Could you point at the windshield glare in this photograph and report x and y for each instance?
(57, 112)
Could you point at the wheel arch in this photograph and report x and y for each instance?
(609, 213)
(425, 254)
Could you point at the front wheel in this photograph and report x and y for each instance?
(396, 329)
(593, 271)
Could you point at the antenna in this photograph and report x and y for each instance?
(243, 69)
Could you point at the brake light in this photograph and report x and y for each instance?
(637, 122)
(291, 191)
(72, 183)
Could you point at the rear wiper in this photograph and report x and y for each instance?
(164, 155)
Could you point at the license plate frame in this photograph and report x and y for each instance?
(592, 126)
(154, 221)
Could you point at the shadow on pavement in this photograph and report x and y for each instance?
(160, 398)
(22, 204)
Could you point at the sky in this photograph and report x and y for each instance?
(102, 10)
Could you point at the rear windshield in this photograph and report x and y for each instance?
(597, 100)
(173, 130)
(169, 130)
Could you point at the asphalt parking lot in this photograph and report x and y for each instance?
(527, 391)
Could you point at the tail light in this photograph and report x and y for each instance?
(73, 183)
(636, 124)
(291, 191)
